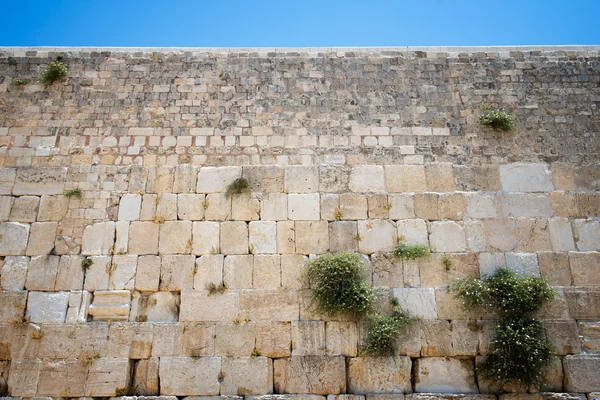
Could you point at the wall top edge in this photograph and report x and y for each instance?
(40, 51)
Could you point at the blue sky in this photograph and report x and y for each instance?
(285, 23)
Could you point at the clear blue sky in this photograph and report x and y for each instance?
(300, 23)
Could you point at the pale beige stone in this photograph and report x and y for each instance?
(62, 378)
(235, 339)
(501, 234)
(216, 179)
(263, 237)
(273, 339)
(554, 266)
(143, 237)
(130, 207)
(330, 207)
(122, 237)
(286, 237)
(186, 376)
(367, 179)
(148, 210)
(465, 336)
(245, 208)
(145, 377)
(237, 271)
(6, 203)
(334, 178)
(526, 205)
(198, 305)
(234, 237)
(97, 276)
(205, 236)
(13, 274)
(185, 179)
(312, 237)
(217, 207)
(113, 305)
(343, 236)
(313, 375)
(585, 268)
(525, 178)
(24, 375)
(587, 234)
(341, 338)
(147, 273)
(39, 181)
(401, 206)
(561, 234)
(198, 339)
(436, 338)
(447, 236)
(166, 207)
(13, 238)
(353, 206)
(177, 272)
(482, 205)
(292, 271)
(387, 270)
(7, 180)
(304, 207)
(378, 206)
(190, 206)
(47, 307)
(247, 376)
(445, 375)
(582, 373)
(452, 206)
(274, 207)
(209, 270)
(98, 239)
(405, 178)
(52, 208)
(413, 231)
(301, 179)
(269, 305)
(475, 234)
(533, 234)
(155, 307)
(41, 273)
(419, 302)
(379, 375)
(122, 273)
(439, 177)
(376, 236)
(264, 178)
(41, 238)
(308, 338)
(267, 271)
(175, 237)
(24, 209)
(426, 206)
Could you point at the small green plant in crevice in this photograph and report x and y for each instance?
(86, 263)
(337, 214)
(20, 82)
(55, 71)
(237, 187)
(255, 353)
(497, 119)
(214, 289)
(410, 251)
(447, 262)
(384, 331)
(20, 322)
(75, 193)
(338, 284)
(520, 350)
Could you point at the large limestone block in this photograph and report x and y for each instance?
(330, 206)
(160, 179)
(234, 237)
(263, 237)
(273, 339)
(52, 208)
(185, 179)
(564, 336)
(41, 238)
(199, 305)
(175, 237)
(62, 378)
(7, 180)
(447, 236)
(166, 207)
(13, 305)
(122, 273)
(216, 179)
(148, 210)
(526, 205)
(585, 268)
(108, 377)
(41, 273)
(378, 206)
(405, 178)
(190, 206)
(419, 302)
(267, 271)
(245, 208)
(587, 234)
(269, 305)
(501, 234)
(130, 207)
(387, 270)
(217, 207)
(402, 206)
(39, 181)
(367, 179)
(353, 206)
(97, 276)
(312, 237)
(246, 376)
(304, 207)
(264, 178)
(122, 237)
(143, 237)
(436, 338)
(439, 177)
(13, 273)
(533, 234)
(113, 305)
(145, 377)
(274, 207)
(413, 231)
(312, 375)
(308, 338)
(6, 203)
(47, 307)
(333, 178)
(561, 234)
(376, 235)
(198, 339)
(167, 339)
(452, 206)
(238, 271)
(465, 337)
(148, 273)
(343, 236)
(24, 209)
(301, 179)
(98, 239)
(209, 270)
(583, 302)
(235, 339)
(426, 206)
(523, 264)
(187, 376)
(449, 307)
(582, 373)
(205, 237)
(177, 272)
(475, 233)
(525, 178)
(379, 375)
(554, 266)
(482, 205)
(155, 307)
(13, 238)
(292, 271)
(286, 237)
(24, 376)
(341, 338)
(445, 375)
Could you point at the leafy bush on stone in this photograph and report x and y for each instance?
(496, 119)
(384, 331)
(55, 71)
(410, 251)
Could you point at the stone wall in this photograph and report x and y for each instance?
(345, 150)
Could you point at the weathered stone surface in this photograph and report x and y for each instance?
(263, 237)
(234, 237)
(419, 302)
(209, 270)
(7, 180)
(110, 305)
(130, 207)
(14, 273)
(533, 234)
(555, 268)
(52, 208)
(482, 205)
(245, 208)
(217, 207)
(312, 375)
(41, 273)
(98, 239)
(24, 376)
(41, 238)
(585, 268)
(387, 270)
(13, 305)
(122, 273)
(107, 377)
(237, 271)
(205, 237)
(198, 305)
(190, 206)
(186, 376)
(47, 307)
(269, 305)
(286, 237)
(525, 178)
(587, 234)
(343, 236)
(155, 307)
(24, 209)
(445, 375)
(60, 378)
(405, 178)
(145, 377)
(39, 181)
(185, 179)
(6, 203)
(274, 207)
(367, 179)
(246, 376)
(267, 271)
(333, 178)
(273, 339)
(376, 236)
(526, 205)
(122, 237)
(143, 237)
(564, 336)
(341, 338)
(97, 276)
(582, 373)
(353, 206)
(235, 339)
(561, 234)
(177, 272)
(436, 338)
(583, 302)
(304, 207)
(175, 237)
(439, 177)
(523, 264)
(379, 375)
(301, 179)
(426, 206)
(447, 236)
(216, 179)
(264, 178)
(452, 206)
(308, 338)
(13, 238)
(378, 206)
(401, 206)
(501, 234)
(312, 237)
(292, 271)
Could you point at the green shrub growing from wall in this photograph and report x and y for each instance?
(496, 119)
(55, 71)
(520, 351)
(384, 331)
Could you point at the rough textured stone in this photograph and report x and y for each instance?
(582, 373)
(143, 237)
(308, 338)
(274, 207)
(367, 179)
(405, 178)
(387, 270)
(130, 207)
(301, 179)
(13, 238)
(177, 272)
(24, 209)
(41, 273)
(98, 239)
(312, 375)
(47, 307)
(148, 273)
(447, 236)
(419, 302)
(111, 305)
(52, 208)
(262, 237)
(525, 205)
(209, 270)
(39, 181)
(14, 273)
(41, 238)
(376, 236)
(245, 208)
(585, 268)
(525, 178)
(247, 376)
(501, 234)
(190, 206)
(312, 237)
(185, 376)
(197, 305)
(379, 375)
(175, 237)
(216, 179)
(343, 236)
(587, 234)
(267, 271)
(401, 206)
(303, 207)
(145, 377)
(445, 375)
(234, 237)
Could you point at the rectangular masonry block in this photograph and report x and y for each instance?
(379, 375)
(312, 375)
(187, 376)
